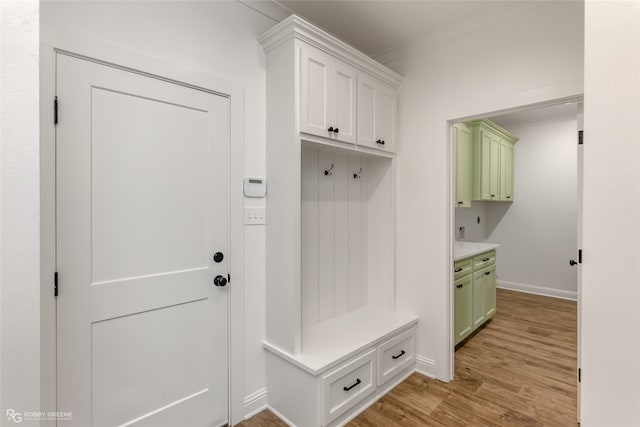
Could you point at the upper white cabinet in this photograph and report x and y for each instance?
(327, 96)
(341, 97)
(377, 110)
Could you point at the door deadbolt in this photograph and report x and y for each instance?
(218, 257)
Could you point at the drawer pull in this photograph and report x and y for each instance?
(357, 383)
(485, 259)
(398, 356)
(458, 270)
(459, 286)
(487, 273)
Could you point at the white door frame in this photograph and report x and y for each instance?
(449, 340)
(93, 50)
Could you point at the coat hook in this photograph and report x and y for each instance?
(357, 174)
(328, 172)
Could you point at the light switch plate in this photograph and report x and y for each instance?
(254, 216)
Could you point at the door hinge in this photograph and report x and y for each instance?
(55, 284)
(579, 256)
(580, 137)
(55, 110)
(579, 375)
(229, 277)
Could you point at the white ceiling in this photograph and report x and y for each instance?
(375, 26)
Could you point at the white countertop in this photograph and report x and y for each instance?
(466, 249)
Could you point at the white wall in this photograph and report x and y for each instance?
(468, 218)
(530, 58)
(213, 37)
(537, 232)
(610, 345)
(19, 188)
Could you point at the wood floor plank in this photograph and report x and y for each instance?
(518, 370)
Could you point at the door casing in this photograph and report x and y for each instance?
(449, 120)
(92, 50)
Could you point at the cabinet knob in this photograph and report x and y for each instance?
(330, 129)
(381, 142)
(493, 195)
(487, 273)
(336, 130)
(460, 203)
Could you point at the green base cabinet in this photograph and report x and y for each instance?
(474, 293)
(492, 158)
(463, 294)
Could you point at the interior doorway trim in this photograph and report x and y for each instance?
(449, 120)
(54, 41)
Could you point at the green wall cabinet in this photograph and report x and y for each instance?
(474, 293)
(464, 165)
(492, 161)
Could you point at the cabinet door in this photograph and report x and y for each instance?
(327, 96)
(386, 102)
(494, 168)
(464, 156)
(489, 165)
(489, 292)
(377, 109)
(315, 76)
(478, 299)
(342, 98)
(463, 294)
(506, 171)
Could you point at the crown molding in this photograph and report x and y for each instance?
(486, 123)
(295, 27)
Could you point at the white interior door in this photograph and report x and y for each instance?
(142, 207)
(580, 185)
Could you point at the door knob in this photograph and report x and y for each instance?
(572, 262)
(220, 281)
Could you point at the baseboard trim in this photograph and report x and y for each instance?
(282, 417)
(255, 403)
(537, 290)
(426, 366)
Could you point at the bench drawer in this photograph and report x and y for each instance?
(395, 355)
(348, 385)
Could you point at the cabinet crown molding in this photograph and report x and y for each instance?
(298, 28)
(494, 127)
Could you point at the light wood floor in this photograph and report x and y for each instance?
(518, 370)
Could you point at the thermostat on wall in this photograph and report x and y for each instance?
(255, 187)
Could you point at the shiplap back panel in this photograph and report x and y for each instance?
(309, 235)
(332, 231)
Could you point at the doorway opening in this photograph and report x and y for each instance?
(516, 274)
